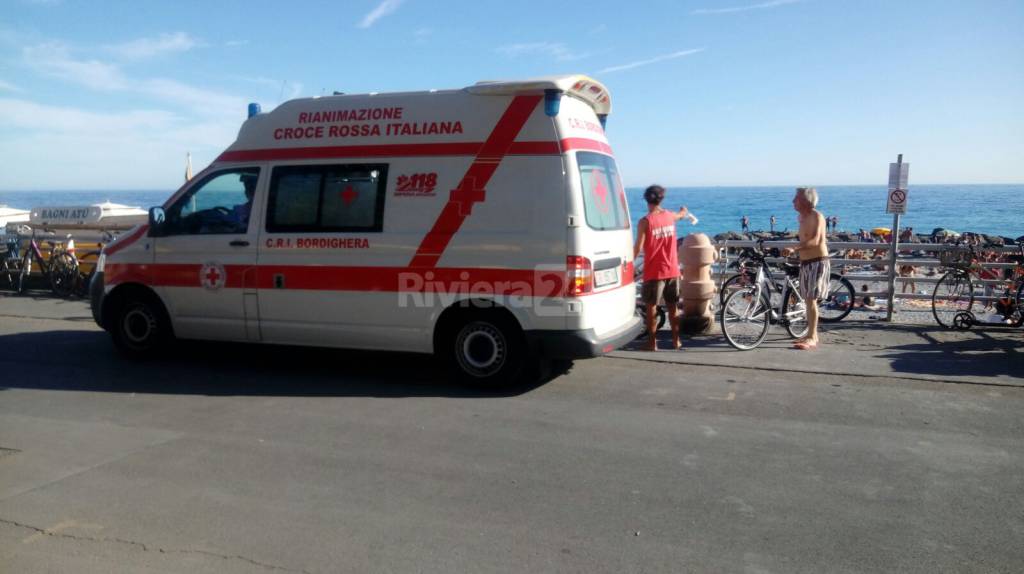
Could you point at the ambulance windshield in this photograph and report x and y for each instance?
(604, 200)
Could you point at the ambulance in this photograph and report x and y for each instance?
(486, 225)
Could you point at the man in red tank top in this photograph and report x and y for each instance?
(656, 236)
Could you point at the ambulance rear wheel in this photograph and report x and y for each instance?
(487, 350)
(140, 328)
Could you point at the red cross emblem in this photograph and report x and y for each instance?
(467, 194)
(212, 276)
(349, 195)
(600, 190)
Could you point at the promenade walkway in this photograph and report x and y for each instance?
(984, 355)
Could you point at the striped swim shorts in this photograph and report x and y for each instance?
(814, 276)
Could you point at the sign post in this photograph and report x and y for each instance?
(899, 173)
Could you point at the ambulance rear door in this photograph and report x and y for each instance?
(601, 232)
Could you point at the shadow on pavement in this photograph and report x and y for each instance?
(712, 342)
(975, 353)
(87, 361)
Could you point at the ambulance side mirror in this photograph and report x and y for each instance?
(157, 217)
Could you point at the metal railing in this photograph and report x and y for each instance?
(879, 272)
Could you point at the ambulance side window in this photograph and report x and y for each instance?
(219, 204)
(321, 198)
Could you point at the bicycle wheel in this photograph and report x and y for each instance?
(954, 293)
(23, 273)
(1017, 319)
(839, 302)
(745, 321)
(7, 272)
(63, 274)
(734, 283)
(794, 313)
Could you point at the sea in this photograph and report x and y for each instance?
(989, 209)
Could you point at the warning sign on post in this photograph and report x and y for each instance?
(899, 174)
(897, 201)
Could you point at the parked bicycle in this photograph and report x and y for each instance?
(74, 280)
(54, 269)
(834, 307)
(1015, 314)
(953, 297)
(747, 313)
(11, 260)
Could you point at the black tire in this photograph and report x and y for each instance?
(660, 317)
(486, 349)
(745, 328)
(23, 273)
(796, 327)
(954, 293)
(839, 302)
(82, 287)
(140, 327)
(8, 273)
(735, 283)
(63, 274)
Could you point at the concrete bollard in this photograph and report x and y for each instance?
(697, 288)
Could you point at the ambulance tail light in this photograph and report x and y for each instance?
(254, 109)
(552, 102)
(579, 273)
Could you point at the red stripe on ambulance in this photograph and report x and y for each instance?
(123, 242)
(388, 150)
(585, 144)
(472, 187)
(473, 280)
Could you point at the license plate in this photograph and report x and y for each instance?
(606, 277)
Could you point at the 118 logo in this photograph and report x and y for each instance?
(417, 184)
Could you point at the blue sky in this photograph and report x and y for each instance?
(110, 95)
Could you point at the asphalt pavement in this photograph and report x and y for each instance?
(891, 449)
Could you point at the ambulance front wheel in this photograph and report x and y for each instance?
(140, 327)
(487, 349)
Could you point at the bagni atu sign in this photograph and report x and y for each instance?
(66, 215)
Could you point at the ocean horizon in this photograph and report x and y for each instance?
(993, 209)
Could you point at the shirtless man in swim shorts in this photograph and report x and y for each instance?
(814, 263)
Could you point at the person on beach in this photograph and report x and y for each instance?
(656, 236)
(771, 223)
(835, 223)
(907, 272)
(814, 262)
(867, 302)
(745, 223)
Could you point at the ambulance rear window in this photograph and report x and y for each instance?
(604, 200)
(327, 198)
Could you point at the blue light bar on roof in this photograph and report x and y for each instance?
(254, 109)
(552, 102)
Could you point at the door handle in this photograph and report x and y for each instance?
(239, 243)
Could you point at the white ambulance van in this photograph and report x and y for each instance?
(487, 225)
